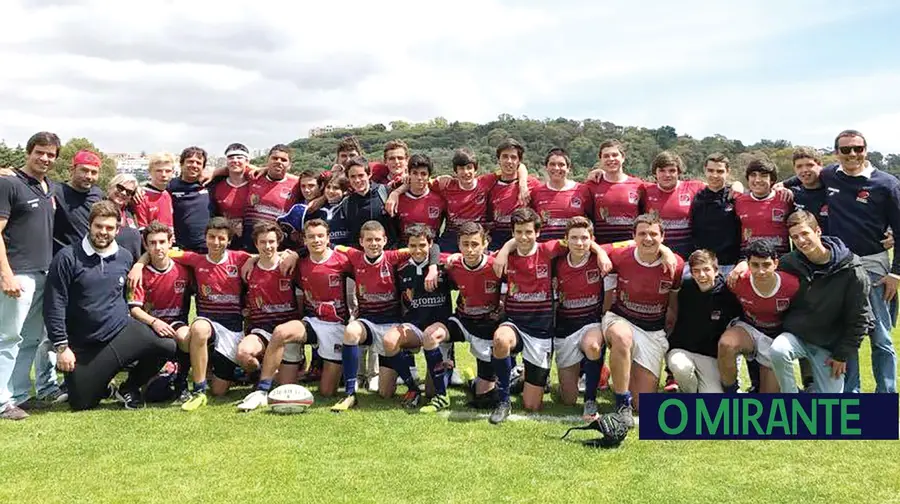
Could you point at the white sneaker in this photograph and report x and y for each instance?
(373, 384)
(255, 399)
(456, 379)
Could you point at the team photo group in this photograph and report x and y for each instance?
(342, 277)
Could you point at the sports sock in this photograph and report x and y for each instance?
(400, 364)
(200, 387)
(623, 399)
(591, 379)
(435, 362)
(350, 361)
(184, 366)
(264, 385)
(503, 367)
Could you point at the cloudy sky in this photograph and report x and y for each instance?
(164, 74)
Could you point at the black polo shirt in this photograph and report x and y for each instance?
(29, 229)
(73, 208)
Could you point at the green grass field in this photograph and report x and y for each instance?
(381, 453)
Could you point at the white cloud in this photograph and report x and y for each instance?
(163, 74)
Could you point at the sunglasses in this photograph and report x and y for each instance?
(859, 149)
(124, 190)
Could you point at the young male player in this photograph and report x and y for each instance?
(616, 195)
(420, 205)
(270, 301)
(374, 269)
(508, 193)
(478, 312)
(705, 308)
(671, 199)
(322, 276)
(529, 309)
(578, 283)
(229, 196)
(765, 296)
(762, 212)
(421, 309)
(635, 327)
(714, 223)
(560, 198)
(272, 195)
(163, 298)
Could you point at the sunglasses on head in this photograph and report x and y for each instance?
(859, 149)
(124, 190)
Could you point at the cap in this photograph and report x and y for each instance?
(237, 149)
(86, 157)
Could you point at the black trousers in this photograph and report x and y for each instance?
(95, 366)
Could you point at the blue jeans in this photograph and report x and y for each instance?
(884, 358)
(21, 334)
(786, 348)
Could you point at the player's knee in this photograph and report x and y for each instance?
(619, 339)
(729, 344)
(287, 332)
(354, 333)
(200, 332)
(391, 341)
(434, 335)
(591, 348)
(504, 339)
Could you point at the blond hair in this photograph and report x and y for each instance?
(161, 158)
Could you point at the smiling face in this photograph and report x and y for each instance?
(851, 152)
(373, 243)
(103, 232)
(418, 248)
(396, 161)
(716, 175)
(41, 159)
(705, 275)
(525, 235)
(509, 163)
(466, 173)
(267, 244)
(192, 168)
(762, 268)
(359, 179)
(316, 239)
(805, 238)
(558, 169)
(760, 183)
(333, 192)
(648, 238)
(237, 164)
(612, 159)
(217, 241)
(807, 170)
(121, 194)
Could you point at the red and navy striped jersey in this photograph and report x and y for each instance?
(557, 206)
(156, 206)
(766, 313)
(579, 294)
(267, 199)
(642, 291)
(230, 201)
(616, 206)
(376, 284)
(271, 299)
(479, 289)
(218, 286)
(324, 286)
(428, 209)
(763, 219)
(467, 205)
(165, 294)
(529, 297)
(502, 201)
(674, 209)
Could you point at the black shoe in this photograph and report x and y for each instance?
(182, 397)
(131, 400)
(488, 400)
(501, 412)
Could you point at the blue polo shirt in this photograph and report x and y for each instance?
(191, 212)
(28, 234)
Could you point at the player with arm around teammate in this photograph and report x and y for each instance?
(323, 276)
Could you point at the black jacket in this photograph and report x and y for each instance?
(703, 317)
(715, 225)
(831, 309)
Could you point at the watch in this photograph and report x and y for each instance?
(62, 348)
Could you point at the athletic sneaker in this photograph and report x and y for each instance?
(183, 397)
(13, 413)
(590, 410)
(345, 404)
(131, 400)
(438, 403)
(627, 415)
(255, 399)
(671, 384)
(197, 401)
(488, 400)
(58, 396)
(412, 398)
(501, 412)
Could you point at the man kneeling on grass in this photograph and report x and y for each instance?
(88, 319)
(829, 315)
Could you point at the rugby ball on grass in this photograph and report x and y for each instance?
(289, 399)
